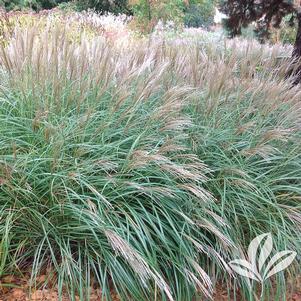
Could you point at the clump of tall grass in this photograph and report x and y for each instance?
(97, 181)
(246, 129)
(145, 170)
(250, 138)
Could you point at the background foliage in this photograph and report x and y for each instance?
(34, 4)
(199, 13)
(286, 33)
(116, 6)
(194, 13)
(267, 14)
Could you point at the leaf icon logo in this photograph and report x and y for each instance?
(284, 259)
(257, 267)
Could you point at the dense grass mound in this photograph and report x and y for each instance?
(96, 177)
(145, 170)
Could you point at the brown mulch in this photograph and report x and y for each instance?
(17, 289)
(21, 294)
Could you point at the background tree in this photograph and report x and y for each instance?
(266, 14)
(191, 13)
(199, 13)
(115, 6)
(148, 13)
(34, 4)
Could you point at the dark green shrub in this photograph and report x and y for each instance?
(199, 14)
(34, 4)
(117, 6)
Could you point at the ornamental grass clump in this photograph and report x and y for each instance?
(97, 182)
(146, 166)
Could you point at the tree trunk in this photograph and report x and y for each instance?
(297, 52)
(149, 10)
